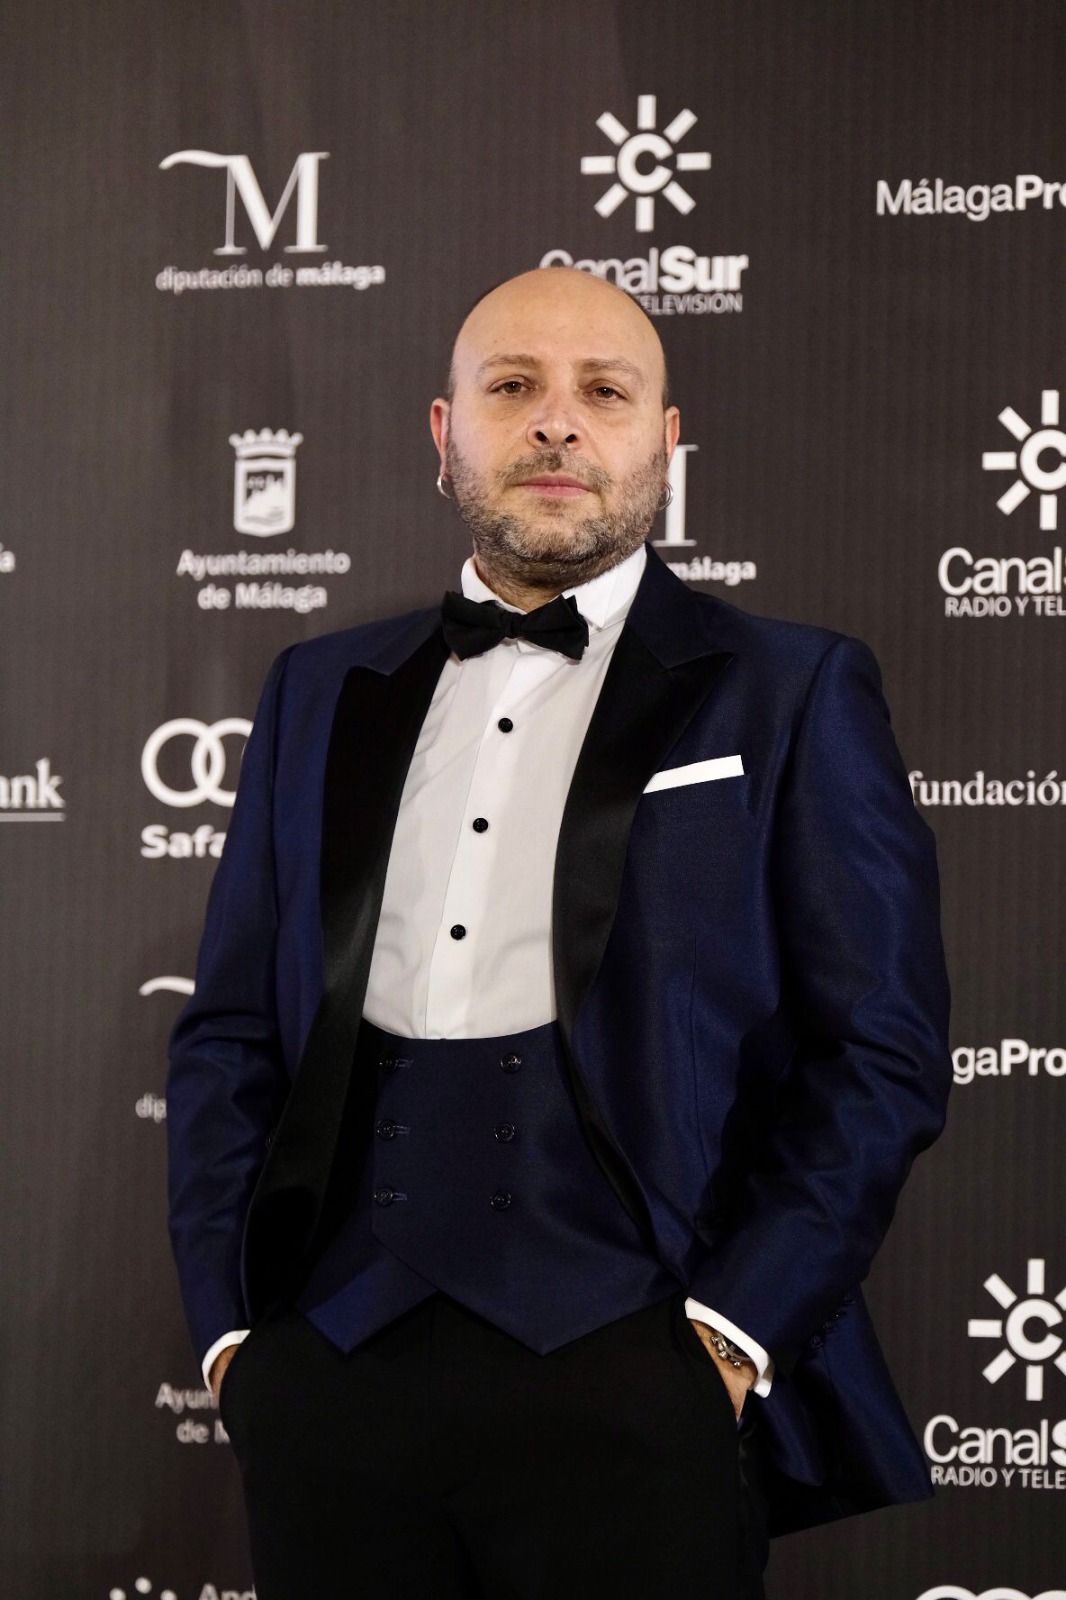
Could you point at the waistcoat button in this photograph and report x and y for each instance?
(511, 1063)
(500, 1200)
(505, 1132)
(386, 1128)
(384, 1197)
(505, 724)
(458, 931)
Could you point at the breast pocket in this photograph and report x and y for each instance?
(694, 851)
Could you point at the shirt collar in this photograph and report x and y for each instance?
(601, 600)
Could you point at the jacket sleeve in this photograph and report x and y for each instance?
(226, 1080)
(866, 988)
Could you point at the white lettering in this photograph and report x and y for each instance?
(158, 842)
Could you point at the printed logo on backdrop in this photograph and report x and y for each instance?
(674, 542)
(981, 790)
(207, 1591)
(264, 481)
(32, 796)
(1014, 1330)
(999, 1060)
(150, 1107)
(252, 228)
(192, 1413)
(264, 507)
(976, 201)
(629, 168)
(954, 1591)
(1014, 584)
(166, 985)
(673, 279)
(188, 763)
(140, 1586)
(1028, 1361)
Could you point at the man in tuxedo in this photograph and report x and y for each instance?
(570, 1008)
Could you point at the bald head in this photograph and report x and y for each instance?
(562, 292)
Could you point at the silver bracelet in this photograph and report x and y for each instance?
(728, 1350)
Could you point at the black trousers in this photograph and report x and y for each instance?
(443, 1460)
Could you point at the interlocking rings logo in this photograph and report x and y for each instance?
(953, 1591)
(208, 760)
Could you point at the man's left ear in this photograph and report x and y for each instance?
(672, 430)
(440, 426)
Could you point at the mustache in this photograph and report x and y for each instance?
(555, 461)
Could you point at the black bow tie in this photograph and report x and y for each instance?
(473, 626)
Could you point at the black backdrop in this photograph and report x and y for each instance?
(221, 219)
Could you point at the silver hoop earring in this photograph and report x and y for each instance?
(440, 485)
(666, 498)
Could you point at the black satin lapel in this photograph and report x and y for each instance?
(375, 731)
(642, 710)
(376, 725)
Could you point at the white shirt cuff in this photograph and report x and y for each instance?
(236, 1337)
(729, 1330)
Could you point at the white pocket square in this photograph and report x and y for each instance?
(697, 772)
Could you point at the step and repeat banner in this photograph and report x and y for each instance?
(237, 241)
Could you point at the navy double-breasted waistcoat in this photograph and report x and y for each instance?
(750, 981)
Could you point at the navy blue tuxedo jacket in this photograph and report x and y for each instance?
(749, 973)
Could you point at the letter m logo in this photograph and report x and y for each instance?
(241, 180)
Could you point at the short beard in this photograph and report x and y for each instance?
(544, 552)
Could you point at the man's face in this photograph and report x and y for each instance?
(555, 440)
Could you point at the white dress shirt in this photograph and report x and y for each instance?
(475, 841)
